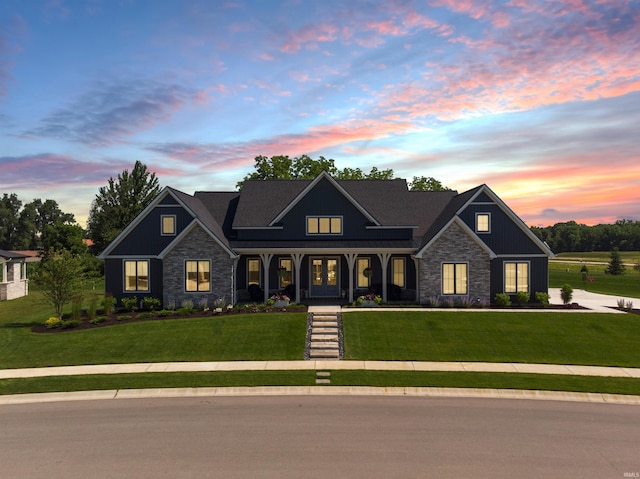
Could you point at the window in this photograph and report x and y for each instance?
(168, 225)
(253, 271)
(197, 276)
(284, 273)
(136, 275)
(454, 278)
(483, 223)
(324, 225)
(397, 271)
(516, 277)
(363, 281)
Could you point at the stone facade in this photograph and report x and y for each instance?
(197, 245)
(454, 246)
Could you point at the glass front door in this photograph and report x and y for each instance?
(324, 277)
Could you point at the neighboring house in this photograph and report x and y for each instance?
(13, 275)
(320, 239)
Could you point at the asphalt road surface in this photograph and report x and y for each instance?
(324, 437)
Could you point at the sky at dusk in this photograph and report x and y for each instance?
(539, 100)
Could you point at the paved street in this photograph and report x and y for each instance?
(351, 437)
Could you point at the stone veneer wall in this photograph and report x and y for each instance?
(197, 245)
(454, 246)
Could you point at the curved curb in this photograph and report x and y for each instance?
(426, 392)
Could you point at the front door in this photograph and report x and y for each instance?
(324, 277)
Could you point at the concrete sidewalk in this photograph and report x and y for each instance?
(322, 365)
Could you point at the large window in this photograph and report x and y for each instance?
(363, 280)
(168, 227)
(324, 225)
(516, 277)
(483, 223)
(136, 275)
(397, 271)
(197, 276)
(253, 271)
(454, 278)
(285, 272)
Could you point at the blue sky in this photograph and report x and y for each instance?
(539, 100)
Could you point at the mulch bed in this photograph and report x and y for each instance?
(113, 320)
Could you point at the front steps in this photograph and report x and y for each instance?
(324, 336)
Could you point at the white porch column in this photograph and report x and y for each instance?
(351, 262)
(384, 261)
(297, 264)
(416, 262)
(266, 261)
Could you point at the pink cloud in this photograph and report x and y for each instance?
(309, 36)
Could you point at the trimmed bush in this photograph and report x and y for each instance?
(146, 315)
(70, 323)
(151, 304)
(98, 320)
(123, 317)
(522, 298)
(130, 304)
(53, 322)
(542, 298)
(503, 300)
(566, 293)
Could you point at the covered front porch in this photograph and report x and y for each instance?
(315, 276)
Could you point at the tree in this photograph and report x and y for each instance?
(616, 266)
(60, 276)
(119, 202)
(9, 208)
(424, 183)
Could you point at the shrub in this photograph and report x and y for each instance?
(151, 303)
(542, 298)
(503, 300)
(616, 266)
(98, 320)
(184, 311)
(108, 302)
(621, 303)
(629, 306)
(566, 293)
(123, 317)
(130, 304)
(53, 322)
(171, 305)
(463, 302)
(76, 306)
(522, 298)
(203, 304)
(446, 303)
(71, 323)
(584, 270)
(146, 315)
(164, 313)
(93, 306)
(187, 304)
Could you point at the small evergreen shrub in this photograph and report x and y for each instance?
(165, 312)
(184, 311)
(146, 315)
(522, 298)
(98, 320)
(123, 317)
(130, 304)
(566, 293)
(151, 304)
(503, 300)
(70, 323)
(542, 298)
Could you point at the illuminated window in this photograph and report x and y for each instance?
(168, 225)
(363, 280)
(197, 276)
(516, 277)
(397, 271)
(454, 278)
(136, 275)
(324, 225)
(483, 223)
(253, 271)
(285, 272)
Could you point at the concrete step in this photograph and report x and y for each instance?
(323, 381)
(323, 337)
(324, 323)
(323, 374)
(324, 331)
(324, 353)
(324, 345)
(325, 317)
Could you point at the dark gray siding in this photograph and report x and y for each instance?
(538, 274)
(146, 237)
(114, 279)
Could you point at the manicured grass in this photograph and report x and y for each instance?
(486, 380)
(260, 336)
(599, 256)
(626, 285)
(545, 337)
(157, 380)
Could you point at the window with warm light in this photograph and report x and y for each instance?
(454, 278)
(324, 225)
(483, 223)
(168, 225)
(516, 277)
(197, 276)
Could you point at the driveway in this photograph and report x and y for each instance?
(597, 302)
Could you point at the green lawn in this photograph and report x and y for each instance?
(545, 337)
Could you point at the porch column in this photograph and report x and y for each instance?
(416, 262)
(234, 280)
(384, 261)
(266, 261)
(297, 264)
(351, 262)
